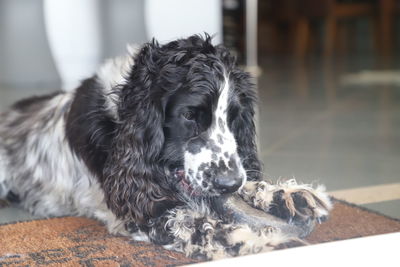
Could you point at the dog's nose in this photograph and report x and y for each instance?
(227, 184)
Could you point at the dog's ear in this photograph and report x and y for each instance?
(242, 122)
(90, 126)
(133, 181)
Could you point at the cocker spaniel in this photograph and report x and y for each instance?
(149, 145)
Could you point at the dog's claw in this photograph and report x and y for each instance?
(322, 219)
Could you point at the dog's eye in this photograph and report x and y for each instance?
(189, 115)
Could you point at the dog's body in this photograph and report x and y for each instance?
(144, 145)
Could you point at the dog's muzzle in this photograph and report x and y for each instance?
(212, 168)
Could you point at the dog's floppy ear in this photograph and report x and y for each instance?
(242, 122)
(90, 126)
(132, 179)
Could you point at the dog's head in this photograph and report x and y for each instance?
(198, 130)
(182, 127)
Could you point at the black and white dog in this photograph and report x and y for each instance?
(144, 145)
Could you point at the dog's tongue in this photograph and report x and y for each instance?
(186, 185)
(180, 174)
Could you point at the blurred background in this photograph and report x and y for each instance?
(327, 72)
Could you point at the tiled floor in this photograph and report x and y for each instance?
(317, 129)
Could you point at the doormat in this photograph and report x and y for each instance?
(75, 241)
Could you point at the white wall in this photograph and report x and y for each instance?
(167, 20)
(123, 21)
(25, 58)
(24, 53)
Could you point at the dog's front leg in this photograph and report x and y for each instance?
(202, 236)
(288, 200)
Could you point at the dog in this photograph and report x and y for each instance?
(145, 145)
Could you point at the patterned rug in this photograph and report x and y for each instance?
(72, 241)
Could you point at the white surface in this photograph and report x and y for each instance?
(251, 34)
(369, 194)
(168, 20)
(381, 250)
(74, 35)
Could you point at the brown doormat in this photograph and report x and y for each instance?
(72, 241)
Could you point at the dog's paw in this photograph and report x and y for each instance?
(258, 194)
(288, 200)
(300, 205)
